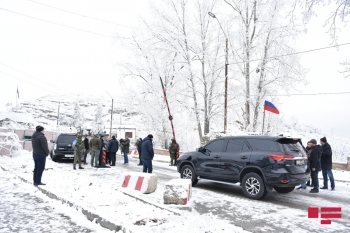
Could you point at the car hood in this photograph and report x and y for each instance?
(189, 155)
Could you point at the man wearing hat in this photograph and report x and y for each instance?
(326, 164)
(315, 164)
(40, 151)
(147, 154)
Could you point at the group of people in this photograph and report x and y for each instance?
(319, 159)
(98, 146)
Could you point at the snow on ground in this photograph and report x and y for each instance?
(25, 209)
(98, 191)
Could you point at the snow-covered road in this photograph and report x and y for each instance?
(213, 208)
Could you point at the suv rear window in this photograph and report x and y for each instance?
(292, 147)
(66, 138)
(263, 144)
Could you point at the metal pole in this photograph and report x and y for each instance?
(110, 131)
(166, 101)
(262, 131)
(58, 112)
(226, 74)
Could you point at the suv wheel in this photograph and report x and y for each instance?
(187, 172)
(253, 186)
(284, 189)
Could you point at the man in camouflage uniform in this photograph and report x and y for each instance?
(95, 147)
(78, 151)
(173, 149)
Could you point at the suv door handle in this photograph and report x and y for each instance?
(244, 157)
(217, 156)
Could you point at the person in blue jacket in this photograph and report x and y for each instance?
(147, 153)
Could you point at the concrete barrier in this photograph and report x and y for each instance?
(143, 182)
(133, 152)
(178, 191)
(28, 145)
(20, 133)
(28, 132)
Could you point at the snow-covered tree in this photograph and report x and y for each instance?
(78, 117)
(98, 120)
(261, 35)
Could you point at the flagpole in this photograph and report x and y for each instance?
(16, 95)
(262, 131)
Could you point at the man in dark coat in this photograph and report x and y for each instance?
(315, 164)
(126, 146)
(326, 164)
(40, 151)
(113, 146)
(147, 153)
(138, 146)
(86, 147)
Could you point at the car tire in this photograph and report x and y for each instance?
(53, 157)
(284, 189)
(187, 172)
(253, 186)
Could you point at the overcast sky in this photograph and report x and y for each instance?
(43, 57)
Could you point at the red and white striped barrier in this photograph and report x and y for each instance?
(133, 152)
(143, 182)
(178, 191)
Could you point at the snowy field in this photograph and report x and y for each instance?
(213, 208)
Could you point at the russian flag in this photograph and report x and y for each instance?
(268, 106)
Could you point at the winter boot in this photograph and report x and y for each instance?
(74, 168)
(80, 168)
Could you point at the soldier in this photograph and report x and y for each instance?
(174, 148)
(78, 151)
(95, 146)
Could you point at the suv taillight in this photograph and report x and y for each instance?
(280, 157)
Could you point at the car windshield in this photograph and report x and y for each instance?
(66, 138)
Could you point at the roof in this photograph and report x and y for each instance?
(17, 117)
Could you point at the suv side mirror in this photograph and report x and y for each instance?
(201, 149)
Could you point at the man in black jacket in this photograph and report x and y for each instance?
(86, 147)
(40, 151)
(147, 154)
(112, 149)
(326, 164)
(315, 164)
(126, 146)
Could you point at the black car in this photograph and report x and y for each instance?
(258, 163)
(63, 147)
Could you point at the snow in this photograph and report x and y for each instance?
(18, 117)
(98, 191)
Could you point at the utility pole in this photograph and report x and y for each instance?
(110, 131)
(226, 72)
(58, 112)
